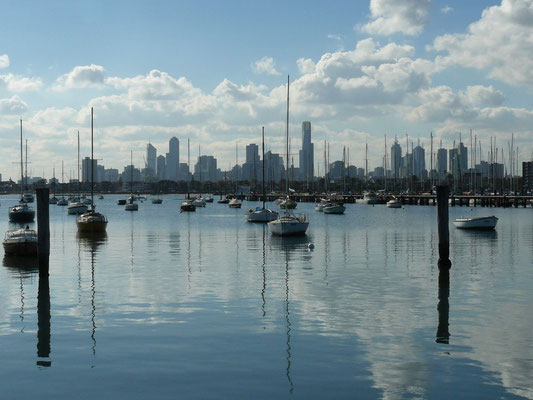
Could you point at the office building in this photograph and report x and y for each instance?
(307, 159)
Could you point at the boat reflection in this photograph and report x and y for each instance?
(21, 267)
(290, 242)
(92, 241)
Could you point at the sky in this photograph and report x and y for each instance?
(215, 72)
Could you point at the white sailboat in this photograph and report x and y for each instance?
(131, 205)
(288, 224)
(262, 214)
(91, 221)
(21, 212)
(479, 223)
(76, 206)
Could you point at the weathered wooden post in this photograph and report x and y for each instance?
(443, 192)
(43, 230)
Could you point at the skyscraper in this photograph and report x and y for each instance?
(442, 161)
(86, 169)
(307, 159)
(419, 162)
(396, 159)
(161, 168)
(173, 159)
(151, 157)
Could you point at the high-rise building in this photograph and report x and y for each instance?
(396, 159)
(205, 169)
(161, 167)
(86, 169)
(307, 158)
(251, 169)
(419, 162)
(442, 161)
(527, 175)
(173, 159)
(151, 157)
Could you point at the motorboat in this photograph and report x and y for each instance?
(121, 202)
(199, 202)
(21, 242)
(369, 198)
(52, 200)
(224, 200)
(156, 200)
(478, 223)
(234, 203)
(209, 199)
(76, 207)
(394, 203)
(100, 197)
(334, 208)
(62, 201)
(21, 213)
(187, 206)
(87, 201)
(131, 205)
(261, 214)
(289, 225)
(91, 221)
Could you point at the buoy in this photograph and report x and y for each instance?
(310, 246)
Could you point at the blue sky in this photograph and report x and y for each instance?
(215, 71)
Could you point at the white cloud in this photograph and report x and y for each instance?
(265, 65)
(446, 9)
(84, 76)
(501, 42)
(305, 65)
(13, 105)
(4, 61)
(17, 83)
(397, 16)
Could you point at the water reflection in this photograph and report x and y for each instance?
(443, 307)
(91, 241)
(43, 323)
(288, 321)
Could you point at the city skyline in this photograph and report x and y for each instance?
(365, 70)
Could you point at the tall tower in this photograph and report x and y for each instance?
(396, 159)
(151, 157)
(173, 159)
(307, 159)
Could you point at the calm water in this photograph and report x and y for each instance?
(205, 305)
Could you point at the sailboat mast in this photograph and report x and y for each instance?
(287, 141)
(263, 158)
(92, 161)
(79, 181)
(26, 162)
(21, 161)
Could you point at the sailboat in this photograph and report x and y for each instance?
(262, 214)
(91, 221)
(131, 205)
(21, 212)
(77, 206)
(288, 224)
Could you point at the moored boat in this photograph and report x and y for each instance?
(334, 208)
(76, 207)
(234, 203)
(369, 198)
(478, 223)
(121, 202)
(394, 203)
(187, 206)
(156, 200)
(21, 242)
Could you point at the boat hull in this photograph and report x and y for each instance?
(21, 216)
(483, 223)
(262, 216)
(335, 209)
(288, 226)
(131, 207)
(78, 208)
(394, 204)
(92, 226)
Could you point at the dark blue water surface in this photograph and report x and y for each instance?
(205, 305)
